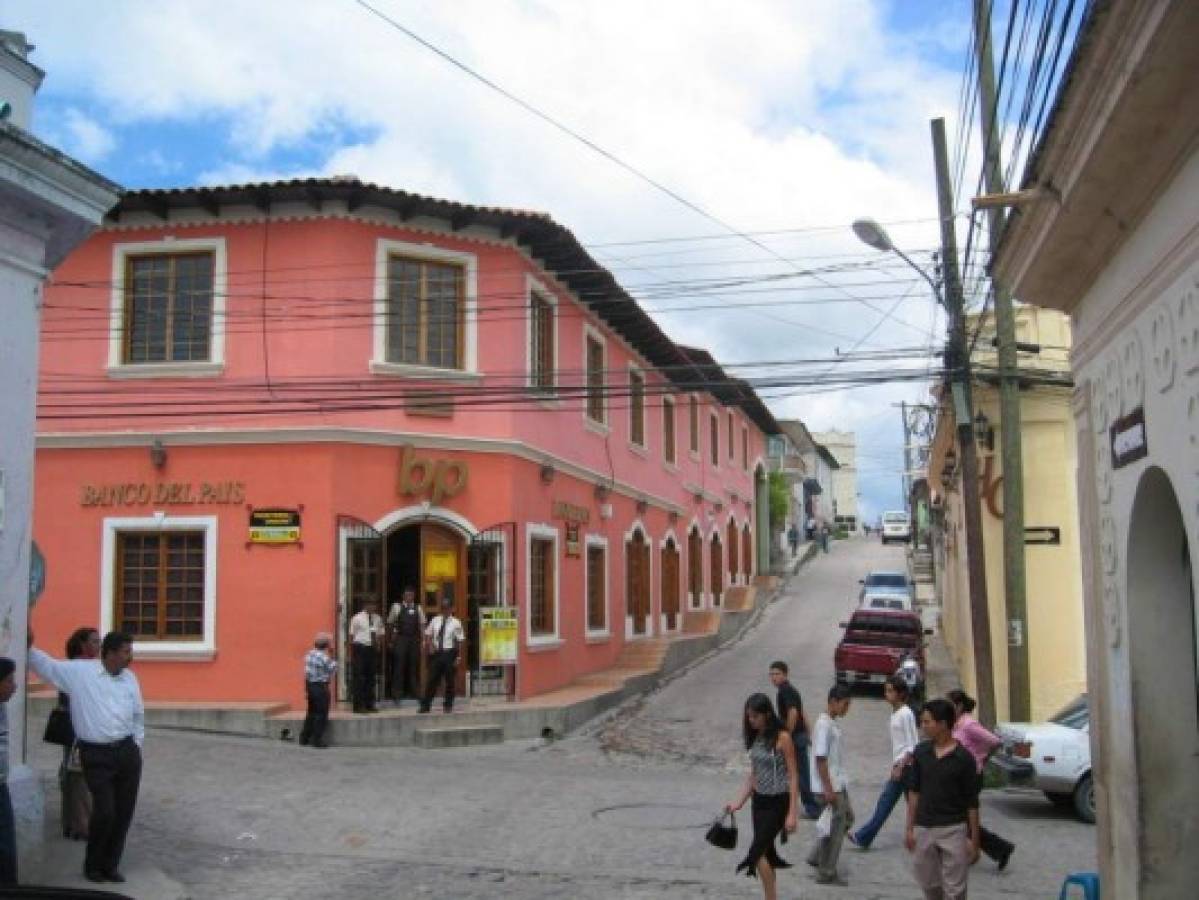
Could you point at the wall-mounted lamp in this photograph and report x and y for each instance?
(547, 473)
(602, 492)
(983, 432)
(158, 454)
(699, 497)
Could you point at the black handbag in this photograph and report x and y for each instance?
(59, 729)
(721, 835)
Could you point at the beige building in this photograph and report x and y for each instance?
(1057, 653)
(843, 445)
(1111, 236)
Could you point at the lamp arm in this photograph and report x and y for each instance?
(923, 274)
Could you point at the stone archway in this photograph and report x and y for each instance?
(1165, 686)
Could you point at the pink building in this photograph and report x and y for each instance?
(262, 405)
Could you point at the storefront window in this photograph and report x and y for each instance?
(160, 585)
(168, 308)
(597, 577)
(541, 587)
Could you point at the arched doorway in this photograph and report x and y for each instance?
(670, 584)
(716, 556)
(695, 568)
(1165, 686)
(747, 552)
(733, 543)
(637, 583)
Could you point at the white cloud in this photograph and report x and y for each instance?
(82, 136)
(769, 114)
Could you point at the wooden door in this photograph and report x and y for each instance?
(747, 553)
(695, 568)
(670, 584)
(637, 581)
(733, 542)
(443, 574)
(717, 572)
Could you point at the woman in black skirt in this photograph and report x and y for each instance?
(773, 783)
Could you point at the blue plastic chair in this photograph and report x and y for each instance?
(1088, 881)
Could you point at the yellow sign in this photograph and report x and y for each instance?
(441, 564)
(497, 636)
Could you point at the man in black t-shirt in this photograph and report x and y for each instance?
(790, 707)
(942, 831)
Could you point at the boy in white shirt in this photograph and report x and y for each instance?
(831, 784)
(904, 738)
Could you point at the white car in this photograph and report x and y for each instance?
(1054, 756)
(897, 526)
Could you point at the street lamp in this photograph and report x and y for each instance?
(872, 234)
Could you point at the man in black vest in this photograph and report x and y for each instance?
(407, 621)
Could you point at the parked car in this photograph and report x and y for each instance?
(886, 590)
(897, 526)
(1053, 756)
(875, 643)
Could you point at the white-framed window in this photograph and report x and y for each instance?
(668, 431)
(541, 588)
(167, 308)
(596, 586)
(542, 338)
(714, 439)
(595, 353)
(425, 311)
(745, 448)
(636, 407)
(732, 442)
(158, 582)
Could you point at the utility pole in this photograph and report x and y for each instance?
(1014, 585)
(907, 457)
(958, 363)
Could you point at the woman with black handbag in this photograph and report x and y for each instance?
(84, 643)
(772, 782)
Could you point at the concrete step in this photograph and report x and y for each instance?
(458, 736)
(701, 621)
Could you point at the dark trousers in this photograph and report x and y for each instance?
(993, 845)
(404, 674)
(364, 677)
(8, 839)
(113, 774)
(442, 665)
(317, 718)
(807, 800)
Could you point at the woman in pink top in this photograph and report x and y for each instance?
(981, 743)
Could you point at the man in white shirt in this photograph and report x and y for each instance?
(904, 738)
(444, 639)
(110, 728)
(832, 784)
(366, 635)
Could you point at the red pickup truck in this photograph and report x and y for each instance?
(875, 643)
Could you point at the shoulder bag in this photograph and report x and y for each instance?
(58, 728)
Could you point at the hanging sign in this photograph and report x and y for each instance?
(1129, 441)
(274, 526)
(573, 546)
(497, 636)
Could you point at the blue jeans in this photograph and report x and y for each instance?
(811, 806)
(892, 791)
(8, 839)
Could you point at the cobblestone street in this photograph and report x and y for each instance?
(616, 810)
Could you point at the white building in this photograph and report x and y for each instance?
(1111, 236)
(843, 445)
(48, 204)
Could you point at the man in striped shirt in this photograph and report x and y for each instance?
(319, 668)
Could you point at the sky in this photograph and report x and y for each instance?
(783, 121)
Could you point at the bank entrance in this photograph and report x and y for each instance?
(438, 562)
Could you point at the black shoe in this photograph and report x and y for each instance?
(320, 745)
(94, 875)
(423, 709)
(372, 709)
(115, 876)
(303, 742)
(447, 709)
(1003, 860)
